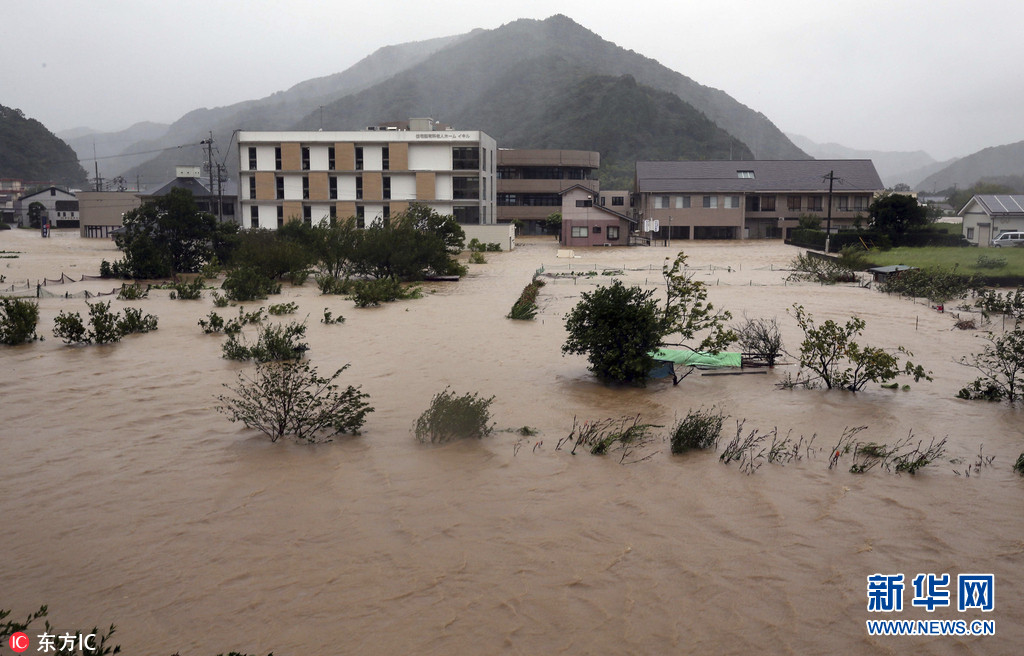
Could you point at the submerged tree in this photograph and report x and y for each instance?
(829, 351)
(618, 327)
(291, 398)
(1001, 365)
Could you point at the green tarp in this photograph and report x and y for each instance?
(698, 359)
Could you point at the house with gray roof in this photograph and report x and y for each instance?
(986, 216)
(752, 199)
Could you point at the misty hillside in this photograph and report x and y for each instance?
(32, 153)
(893, 167)
(107, 146)
(995, 164)
(278, 111)
(453, 80)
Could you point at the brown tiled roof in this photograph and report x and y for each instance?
(805, 175)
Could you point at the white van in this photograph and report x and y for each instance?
(1009, 239)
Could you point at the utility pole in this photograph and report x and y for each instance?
(209, 167)
(831, 177)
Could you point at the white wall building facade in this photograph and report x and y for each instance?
(368, 174)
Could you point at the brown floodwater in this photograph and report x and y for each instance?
(127, 499)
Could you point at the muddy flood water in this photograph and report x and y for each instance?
(126, 498)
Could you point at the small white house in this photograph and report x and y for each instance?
(986, 216)
(61, 207)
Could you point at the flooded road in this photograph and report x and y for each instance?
(127, 499)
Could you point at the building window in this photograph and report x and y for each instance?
(753, 203)
(359, 187)
(277, 158)
(860, 202)
(814, 203)
(305, 187)
(252, 158)
(330, 158)
(359, 158)
(794, 203)
(579, 231)
(970, 233)
(613, 233)
(280, 216)
(597, 230)
(279, 187)
(386, 187)
(305, 158)
(767, 203)
(254, 217)
(360, 217)
(466, 158)
(466, 188)
(745, 175)
(252, 187)
(682, 202)
(602, 201)
(661, 202)
(469, 215)
(385, 161)
(307, 215)
(732, 202)
(332, 188)
(387, 213)
(710, 202)
(843, 203)
(618, 201)
(585, 202)
(333, 213)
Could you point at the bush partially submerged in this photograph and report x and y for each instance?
(104, 326)
(368, 293)
(291, 398)
(699, 429)
(275, 342)
(248, 284)
(761, 339)
(452, 417)
(627, 435)
(525, 307)
(18, 319)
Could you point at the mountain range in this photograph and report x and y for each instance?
(530, 84)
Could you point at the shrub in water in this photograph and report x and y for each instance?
(275, 342)
(132, 292)
(133, 321)
(187, 291)
(290, 398)
(213, 323)
(283, 308)
(699, 429)
(247, 284)
(18, 321)
(331, 285)
(452, 417)
(369, 293)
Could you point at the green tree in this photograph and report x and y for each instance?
(291, 398)
(688, 312)
(829, 351)
(167, 235)
(410, 246)
(335, 247)
(1001, 365)
(553, 223)
(896, 213)
(616, 327)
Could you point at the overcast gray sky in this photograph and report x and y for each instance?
(944, 77)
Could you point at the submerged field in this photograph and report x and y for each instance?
(128, 499)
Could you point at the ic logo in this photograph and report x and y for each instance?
(18, 642)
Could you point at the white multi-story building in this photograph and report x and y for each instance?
(370, 174)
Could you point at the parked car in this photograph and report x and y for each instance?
(1009, 239)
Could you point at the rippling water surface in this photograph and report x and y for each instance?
(126, 498)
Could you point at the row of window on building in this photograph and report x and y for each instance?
(464, 158)
(765, 203)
